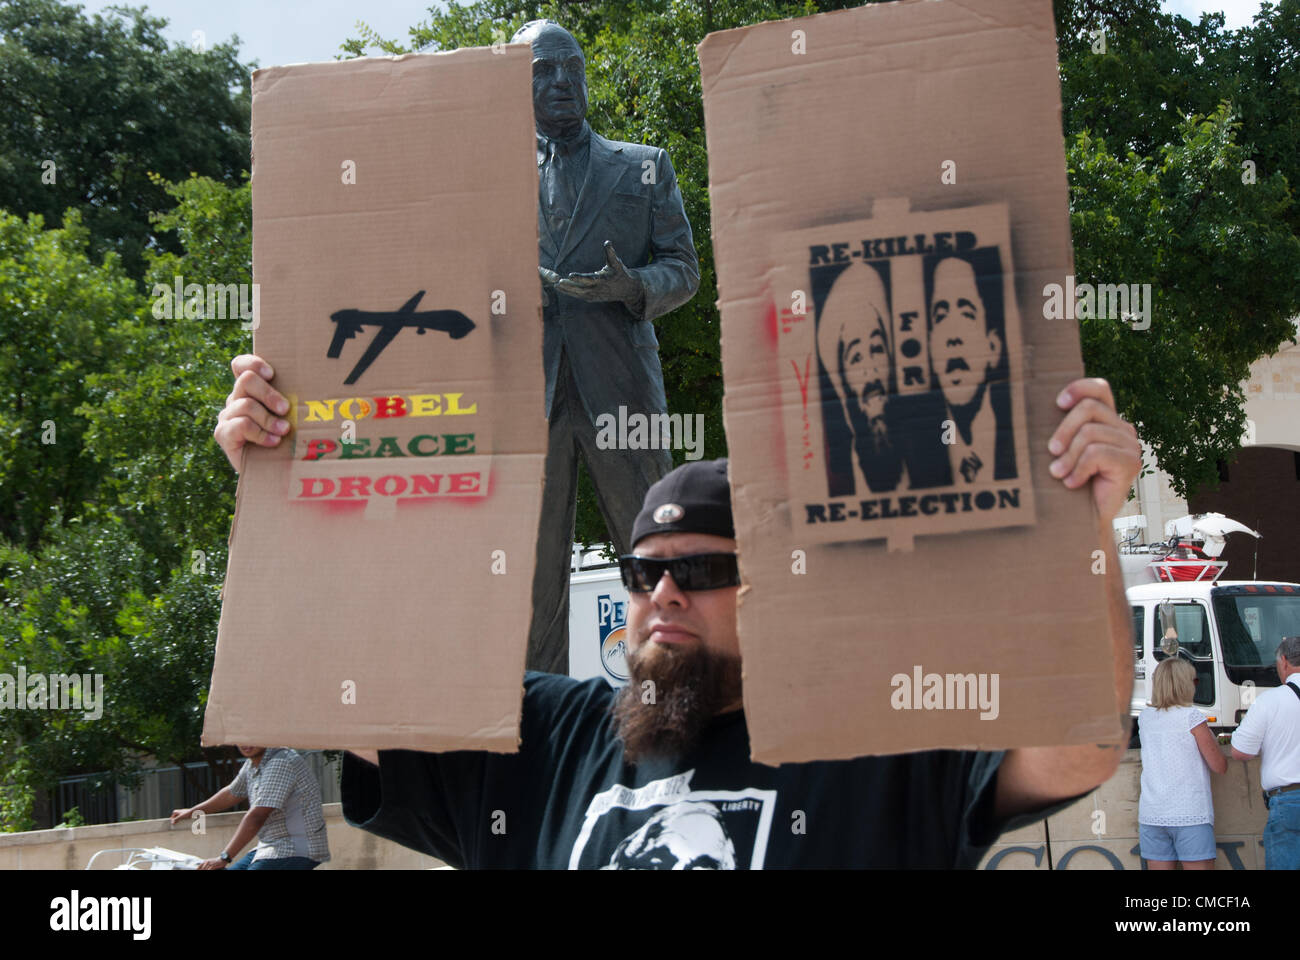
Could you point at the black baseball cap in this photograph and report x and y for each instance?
(694, 498)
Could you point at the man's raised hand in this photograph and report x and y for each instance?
(250, 413)
(1094, 442)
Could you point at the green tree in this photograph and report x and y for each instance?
(1264, 72)
(1203, 239)
(1130, 72)
(57, 310)
(150, 416)
(1184, 149)
(59, 604)
(130, 589)
(1157, 68)
(93, 603)
(90, 106)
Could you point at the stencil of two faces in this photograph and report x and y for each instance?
(854, 332)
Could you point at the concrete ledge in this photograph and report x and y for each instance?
(70, 848)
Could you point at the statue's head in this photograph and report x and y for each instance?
(559, 77)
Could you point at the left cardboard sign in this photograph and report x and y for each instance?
(381, 559)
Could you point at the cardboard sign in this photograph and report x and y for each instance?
(889, 197)
(378, 590)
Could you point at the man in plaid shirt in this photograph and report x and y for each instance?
(284, 811)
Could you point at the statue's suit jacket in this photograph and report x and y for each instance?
(636, 204)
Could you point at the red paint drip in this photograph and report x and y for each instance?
(803, 380)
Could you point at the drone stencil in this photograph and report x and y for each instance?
(349, 323)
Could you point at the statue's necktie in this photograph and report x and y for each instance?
(970, 466)
(558, 194)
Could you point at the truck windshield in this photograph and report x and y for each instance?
(1251, 626)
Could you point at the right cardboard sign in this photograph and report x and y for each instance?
(889, 201)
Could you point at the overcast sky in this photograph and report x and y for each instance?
(295, 31)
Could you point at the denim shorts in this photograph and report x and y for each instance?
(1184, 844)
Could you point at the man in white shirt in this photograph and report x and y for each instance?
(1271, 730)
(284, 813)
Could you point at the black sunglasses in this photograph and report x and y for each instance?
(700, 571)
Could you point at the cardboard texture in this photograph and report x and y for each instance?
(378, 590)
(889, 199)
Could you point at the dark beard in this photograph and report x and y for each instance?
(691, 684)
(880, 460)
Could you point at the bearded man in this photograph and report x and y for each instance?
(658, 775)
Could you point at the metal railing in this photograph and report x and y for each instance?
(99, 799)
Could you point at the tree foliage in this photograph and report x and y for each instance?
(57, 311)
(150, 416)
(90, 106)
(1184, 153)
(1186, 224)
(93, 602)
(130, 588)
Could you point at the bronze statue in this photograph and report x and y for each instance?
(615, 252)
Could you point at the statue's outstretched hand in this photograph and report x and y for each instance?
(610, 282)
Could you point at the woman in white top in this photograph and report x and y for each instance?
(1175, 811)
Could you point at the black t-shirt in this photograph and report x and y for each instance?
(568, 799)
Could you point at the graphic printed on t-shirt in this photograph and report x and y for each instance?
(665, 825)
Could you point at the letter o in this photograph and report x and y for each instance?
(382, 482)
(346, 405)
(985, 500)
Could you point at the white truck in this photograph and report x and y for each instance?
(1227, 629)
